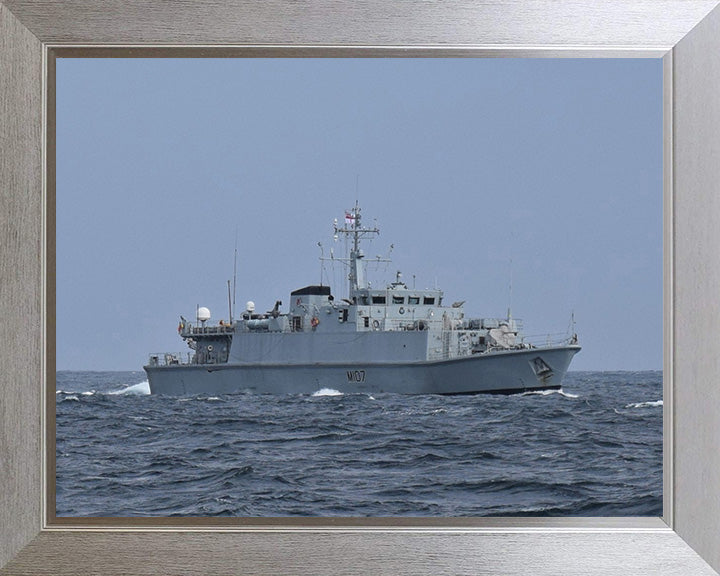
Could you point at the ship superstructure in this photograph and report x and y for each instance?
(391, 339)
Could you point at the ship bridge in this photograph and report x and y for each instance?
(397, 296)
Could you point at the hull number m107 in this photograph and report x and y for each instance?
(356, 375)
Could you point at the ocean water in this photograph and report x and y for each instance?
(592, 449)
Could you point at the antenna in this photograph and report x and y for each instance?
(234, 277)
(322, 255)
(229, 303)
(510, 293)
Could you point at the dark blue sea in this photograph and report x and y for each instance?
(592, 449)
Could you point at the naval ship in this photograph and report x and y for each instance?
(391, 339)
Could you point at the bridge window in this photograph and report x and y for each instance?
(378, 299)
(398, 299)
(428, 301)
(413, 300)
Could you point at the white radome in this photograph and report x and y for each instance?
(203, 314)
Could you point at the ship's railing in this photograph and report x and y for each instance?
(191, 330)
(458, 343)
(490, 323)
(475, 325)
(170, 358)
(552, 339)
(419, 324)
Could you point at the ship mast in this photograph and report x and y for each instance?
(353, 227)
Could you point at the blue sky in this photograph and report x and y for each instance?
(476, 170)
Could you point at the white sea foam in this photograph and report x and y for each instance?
(72, 397)
(328, 392)
(88, 393)
(138, 389)
(645, 404)
(548, 393)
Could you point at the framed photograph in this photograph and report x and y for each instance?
(335, 363)
(684, 36)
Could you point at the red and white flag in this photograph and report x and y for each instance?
(350, 218)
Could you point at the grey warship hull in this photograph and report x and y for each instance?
(512, 371)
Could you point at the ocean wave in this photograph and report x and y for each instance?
(561, 392)
(140, 389)
(327, 392)
(645, 404)
(294, 454)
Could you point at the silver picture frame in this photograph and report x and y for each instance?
(684, 33)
